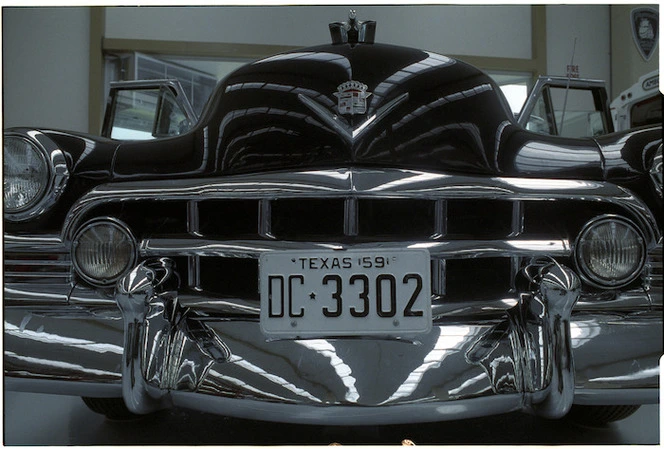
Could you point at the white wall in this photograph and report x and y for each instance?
(46, 50)
(502, 31)
(45, 55)
(590, 25)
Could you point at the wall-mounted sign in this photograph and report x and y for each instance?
(573, 71)
(645, 30)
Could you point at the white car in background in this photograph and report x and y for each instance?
(639, 105)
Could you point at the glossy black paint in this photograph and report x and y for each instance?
(444, 116)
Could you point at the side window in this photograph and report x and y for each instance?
(576, 113)
(134, 114)
(541, 119)
(146, 110)
(579, 110)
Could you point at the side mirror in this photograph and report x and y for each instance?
(144, 110)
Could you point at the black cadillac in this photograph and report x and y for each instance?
(353, 233)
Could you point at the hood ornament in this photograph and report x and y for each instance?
(354, 31)
(352, 96)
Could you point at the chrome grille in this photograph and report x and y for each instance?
(43, 268)
(655, 270)
(204, 223)
(349, 221)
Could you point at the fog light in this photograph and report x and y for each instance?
(610, 252)
(103, 250)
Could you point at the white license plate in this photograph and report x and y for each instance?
(344, 293)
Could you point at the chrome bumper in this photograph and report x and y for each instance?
(538, 356)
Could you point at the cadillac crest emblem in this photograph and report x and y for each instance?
(352, 97)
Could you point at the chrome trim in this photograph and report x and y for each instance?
(351, 217)
(158, 336)
(117, 224)
(64, 387)
(34, 244)
(616, 396)
(348, 415)
(58, 175)
(193, 222)
(518, 219)
(432, 379)
(35, 293)
(265, 219)
(559, 290)
(655, 171)
(457, 249)
(586, 273)
(440, 219)
(366, 183)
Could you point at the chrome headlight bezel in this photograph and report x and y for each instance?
(121, 227)
(58, 176)
(587, 274)
(655, 170)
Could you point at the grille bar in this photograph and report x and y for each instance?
(447, 249)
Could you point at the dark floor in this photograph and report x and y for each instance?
(37, 419)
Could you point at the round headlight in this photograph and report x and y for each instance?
(26, 174)
(103, 250)
(610, 252)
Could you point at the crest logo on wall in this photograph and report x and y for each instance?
(645, 30)
(352, 97)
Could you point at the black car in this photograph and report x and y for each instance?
(353, 233)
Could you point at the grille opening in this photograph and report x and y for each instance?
(476, 279)
(404, 218)
(228, 218)
(562, 218)
(479, 219)
(308, 218)
(230, 277)
(33, 267)
(147, 218)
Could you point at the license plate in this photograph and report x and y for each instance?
(345, 293)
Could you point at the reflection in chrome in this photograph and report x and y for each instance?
(218, 379)
(442, 101)
(327, 350)
(397, 79)
(643, 374)
(533, 345)
(278, 380)
(541, 157)
(582, 333)
(480, 378)
(48, 338)
(447, 344)
(73, 368)
(163, 348)
(333, 58)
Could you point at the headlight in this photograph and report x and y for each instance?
(103, 250)
(35, 174)
(26, 174)
(610, 252)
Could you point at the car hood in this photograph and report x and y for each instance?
(359, 105)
